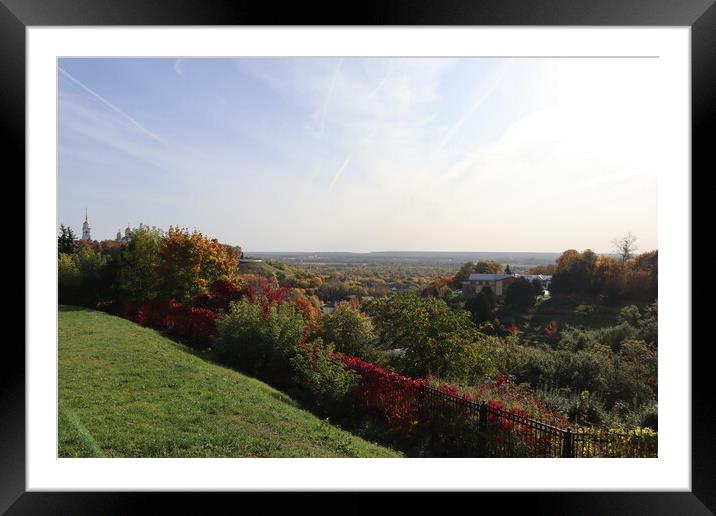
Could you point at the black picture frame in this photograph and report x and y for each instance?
(700, 15)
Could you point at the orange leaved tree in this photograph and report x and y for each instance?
(189, 262)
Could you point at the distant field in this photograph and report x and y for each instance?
(127, 391)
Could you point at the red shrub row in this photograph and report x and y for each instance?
(191, 323)
(195, 324)
(405, 404)
(387, 395)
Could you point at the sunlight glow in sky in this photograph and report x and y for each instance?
(373, 154)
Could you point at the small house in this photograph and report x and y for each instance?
(497, 282)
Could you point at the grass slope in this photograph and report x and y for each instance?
(127, 391)
(266, 269)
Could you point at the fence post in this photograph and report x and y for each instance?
(483, 416)
(568, 443)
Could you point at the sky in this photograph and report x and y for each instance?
(363, 154)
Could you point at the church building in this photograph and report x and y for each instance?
(127, 235)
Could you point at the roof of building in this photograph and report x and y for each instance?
(475, 276)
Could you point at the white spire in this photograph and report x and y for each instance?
(86, 228)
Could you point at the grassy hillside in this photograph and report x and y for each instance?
(266, 269)
(127, 391)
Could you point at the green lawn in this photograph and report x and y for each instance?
(584, 313)
(127, 391)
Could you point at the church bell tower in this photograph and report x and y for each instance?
(86, 228)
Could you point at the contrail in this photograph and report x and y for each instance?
(348, 158)
(340, 171)
(382, 81)
(110, 105)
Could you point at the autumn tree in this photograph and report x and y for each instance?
(488, 267)
(606, 277)
(545, 270)
(439, 287)
(463, 273)
(189, 262)
(574, 272)
(566, 259)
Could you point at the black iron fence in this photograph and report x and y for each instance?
(481, 429)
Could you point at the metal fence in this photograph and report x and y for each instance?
(480, 429)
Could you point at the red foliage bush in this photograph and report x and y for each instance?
(262, 287)
(152, 312)
(310, 314)
(203, 301)
(222, 292)
(387, 395)
(191, 323)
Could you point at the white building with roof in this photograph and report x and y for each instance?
(499, 282)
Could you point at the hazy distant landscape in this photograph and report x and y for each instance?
(518, 259)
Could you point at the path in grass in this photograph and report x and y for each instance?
(127, 391)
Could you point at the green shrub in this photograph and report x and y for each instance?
(329, 381)
(138, 278)
(68, 279)
(429, 333)
(479, 307)
(576, 339)
(454, 358)
(85, 277)
(630, 315)
(649, 327)
(259, 336)
(351, 332)
(585, 309)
